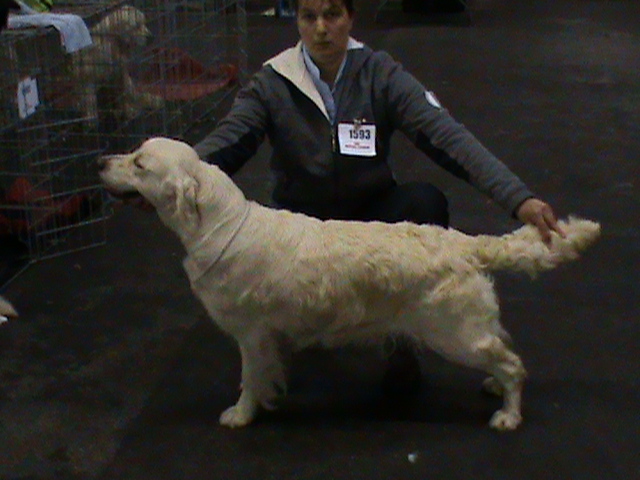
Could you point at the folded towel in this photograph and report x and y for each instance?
(74, 33)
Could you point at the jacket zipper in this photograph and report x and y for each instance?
(334, 156)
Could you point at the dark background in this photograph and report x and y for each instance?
(113, 370)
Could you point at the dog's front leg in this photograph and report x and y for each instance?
(263, 379)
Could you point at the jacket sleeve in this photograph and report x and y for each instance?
(239, 134)
(431, 128)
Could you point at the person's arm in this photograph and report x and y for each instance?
(432, 129)
(239, 134)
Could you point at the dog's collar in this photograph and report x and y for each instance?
(196, 268)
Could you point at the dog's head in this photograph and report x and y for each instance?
(126, 26)
(161, 171)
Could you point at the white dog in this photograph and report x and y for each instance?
(271, 277)
(103, 67)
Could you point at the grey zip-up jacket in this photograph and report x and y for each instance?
(312, 176)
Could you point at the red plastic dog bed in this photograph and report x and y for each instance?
(175, 76)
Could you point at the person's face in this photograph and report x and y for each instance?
(324, 27)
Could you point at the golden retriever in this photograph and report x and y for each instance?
(103, 66)
(271, 278)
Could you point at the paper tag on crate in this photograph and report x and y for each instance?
(28, 99)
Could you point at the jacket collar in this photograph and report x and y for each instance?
(290, 64)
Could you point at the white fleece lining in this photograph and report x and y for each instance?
(290, 64)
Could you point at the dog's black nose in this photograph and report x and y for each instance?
(102, 162)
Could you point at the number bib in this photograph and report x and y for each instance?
(359, 140)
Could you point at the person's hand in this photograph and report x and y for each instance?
(540, 214)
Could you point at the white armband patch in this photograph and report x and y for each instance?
(432, 99)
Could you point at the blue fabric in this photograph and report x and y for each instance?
(326, 91)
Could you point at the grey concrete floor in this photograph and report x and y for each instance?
(114, 371)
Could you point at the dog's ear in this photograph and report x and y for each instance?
(185, 192)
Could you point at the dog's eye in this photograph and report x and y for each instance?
(137, 163)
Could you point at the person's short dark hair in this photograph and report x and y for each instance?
(348, 4)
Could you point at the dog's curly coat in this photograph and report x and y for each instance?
(268, 276)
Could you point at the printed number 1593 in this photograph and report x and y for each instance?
(359, 134)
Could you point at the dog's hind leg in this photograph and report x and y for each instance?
(491, 385)
(490, 354)
(463, 326)
(508, 375)
(263, 379)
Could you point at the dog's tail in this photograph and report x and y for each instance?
(523, 250)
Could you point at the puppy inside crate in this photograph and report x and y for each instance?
(102, 81)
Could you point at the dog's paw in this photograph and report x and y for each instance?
(492, 387)
(236, 416)
(505, 421)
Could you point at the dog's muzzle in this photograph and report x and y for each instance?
(103, 165)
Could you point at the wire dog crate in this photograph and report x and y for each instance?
(156, 67)
(48, 186)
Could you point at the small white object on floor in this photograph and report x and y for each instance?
(412, 457)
